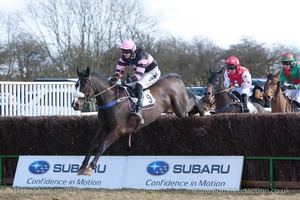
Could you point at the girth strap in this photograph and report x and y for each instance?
(112, 103)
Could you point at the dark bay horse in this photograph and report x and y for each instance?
(274, 94)
(223, 102)
(114, 116)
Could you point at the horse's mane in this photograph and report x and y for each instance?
(270, 76)
(101, 77)
(171, 74)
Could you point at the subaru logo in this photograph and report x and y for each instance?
(158, 168)
(39, 167)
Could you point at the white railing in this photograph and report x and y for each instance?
(36, 98)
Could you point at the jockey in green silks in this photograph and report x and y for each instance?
(290, 73)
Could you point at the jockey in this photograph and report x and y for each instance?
(146, 70)
(238, 77)
(290, 73)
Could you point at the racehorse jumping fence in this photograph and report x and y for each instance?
(272, 183)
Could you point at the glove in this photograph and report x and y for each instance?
(112, 80)
(283, 88)
(291, 87)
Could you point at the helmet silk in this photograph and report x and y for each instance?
(232, 60)
(128, 45)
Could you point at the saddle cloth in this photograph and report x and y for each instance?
(251, 107)
(148, 99)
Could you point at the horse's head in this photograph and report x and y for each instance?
(84, 89)
(215, 83)
(271, 86)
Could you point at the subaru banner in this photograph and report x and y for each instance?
(184, 172)
(136, 172)
(61, 171)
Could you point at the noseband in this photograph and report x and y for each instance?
(216, 87)
(276, 93)
(84, 95)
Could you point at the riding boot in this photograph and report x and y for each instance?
(139, 104)
(244, 98)
(234, 97)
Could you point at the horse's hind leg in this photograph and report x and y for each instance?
(180, 108)
(110, 139)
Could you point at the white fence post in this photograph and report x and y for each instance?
(36, 98)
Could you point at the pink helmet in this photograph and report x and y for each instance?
(128, 45)
(232, 60)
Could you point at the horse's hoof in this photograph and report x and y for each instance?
(88, 171)
(80, 172)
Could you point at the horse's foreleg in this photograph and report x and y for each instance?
(97, 140)
(110, 139)
(86, 159)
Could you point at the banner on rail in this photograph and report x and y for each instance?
(136, 172)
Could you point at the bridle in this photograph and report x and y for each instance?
(216, 87)
(216, 90)
(83, 95)
(89, 86)
(275, 93)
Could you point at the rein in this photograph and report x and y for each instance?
(225, 90)
(109, 88)
(112, 103)
(228, 104)
(276, 94)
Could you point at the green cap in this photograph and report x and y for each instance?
(287, 57)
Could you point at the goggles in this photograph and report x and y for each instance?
(126, 51)
(231, 67)
(285, 63)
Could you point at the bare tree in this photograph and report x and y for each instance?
(8, 65)
(76, 33)
(208, 56)
(252, 55)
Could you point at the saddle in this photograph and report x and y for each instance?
(295, 106)
(237, 99)
(130, 94)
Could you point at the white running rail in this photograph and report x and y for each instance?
(36, 98)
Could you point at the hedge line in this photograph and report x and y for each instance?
(222, 134)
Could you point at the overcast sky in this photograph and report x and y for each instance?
(224, 22)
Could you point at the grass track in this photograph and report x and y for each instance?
(83, 194)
